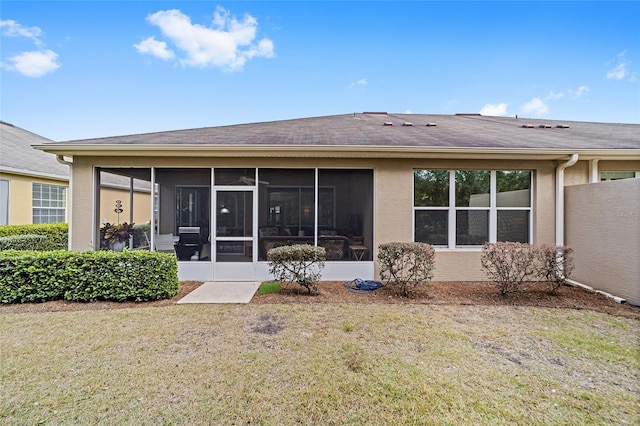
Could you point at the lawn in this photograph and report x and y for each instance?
(319, 364)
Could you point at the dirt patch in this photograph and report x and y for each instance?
(436, 293)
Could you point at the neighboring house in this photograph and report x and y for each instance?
(34, 185)
(349, 183)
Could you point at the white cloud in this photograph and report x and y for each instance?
(554, 95)
(621, 70)
(535, 106)
(227, 44)
(494, 110)
(11, 28)
(362, 82)
(156, 48)
(34, 64)
(579, 91)
(576, 93)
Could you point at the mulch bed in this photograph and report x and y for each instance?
(436, 293)
(455, 293)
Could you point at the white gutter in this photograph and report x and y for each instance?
(594, 175)
(560, 198)
(61, 160)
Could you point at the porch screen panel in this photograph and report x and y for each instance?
(337, 214)
(345, 212)
(185, 210)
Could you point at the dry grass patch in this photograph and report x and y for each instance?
(319, 364)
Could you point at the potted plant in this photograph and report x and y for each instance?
(118, 235)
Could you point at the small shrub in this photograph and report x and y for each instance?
(57, 234)
(269, 288)
(24, 242)
(301, 263)
(406, 263)
(32, 276)
(554, 265)
(508, 264)
(511, 265)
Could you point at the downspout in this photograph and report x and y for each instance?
(594, 175)
(560, 198)
(61, 160)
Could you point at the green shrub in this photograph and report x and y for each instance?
(301, 263)
(269, 287)
(511, 265)
(32, 276)
(406, 263)
(24, 242)
(57, 234)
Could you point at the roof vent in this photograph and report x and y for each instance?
(545, 126)
(388, 123)
(431, 124)
(527, 126)
(407, 124)
(562, 126)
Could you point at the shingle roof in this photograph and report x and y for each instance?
(368, 129)
(17, 155)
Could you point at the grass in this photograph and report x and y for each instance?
(269, 287)
(319, 364)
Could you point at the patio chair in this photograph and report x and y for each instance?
(165, 243)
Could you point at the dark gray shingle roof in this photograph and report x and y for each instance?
(368, 129)
(17, 155)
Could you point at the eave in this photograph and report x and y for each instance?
(336, 151)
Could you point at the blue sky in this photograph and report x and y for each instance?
(81, 69)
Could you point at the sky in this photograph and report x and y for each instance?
(83, 69)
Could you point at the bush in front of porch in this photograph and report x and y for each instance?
(38, 276)
(301, 263)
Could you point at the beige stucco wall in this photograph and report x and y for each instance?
(603, 227)
(21, 196)
(393, 205)
(141, 205)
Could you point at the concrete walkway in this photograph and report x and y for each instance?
(222, 292)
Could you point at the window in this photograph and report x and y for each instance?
(4, 202)
(458, 208)
(617, 175)
(49, 203)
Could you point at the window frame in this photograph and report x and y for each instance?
(493, 209)
(48, 217)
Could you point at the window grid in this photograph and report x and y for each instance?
(494, 213)
(49, 203)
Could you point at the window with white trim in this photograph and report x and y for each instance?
(463, 208)
(49, 203)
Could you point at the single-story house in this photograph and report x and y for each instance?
(225, 195)
(34, 185)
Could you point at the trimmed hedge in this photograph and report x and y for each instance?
(24, 242)
(35, 276)
(57, 234)
(302, 263)
(406, 263)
